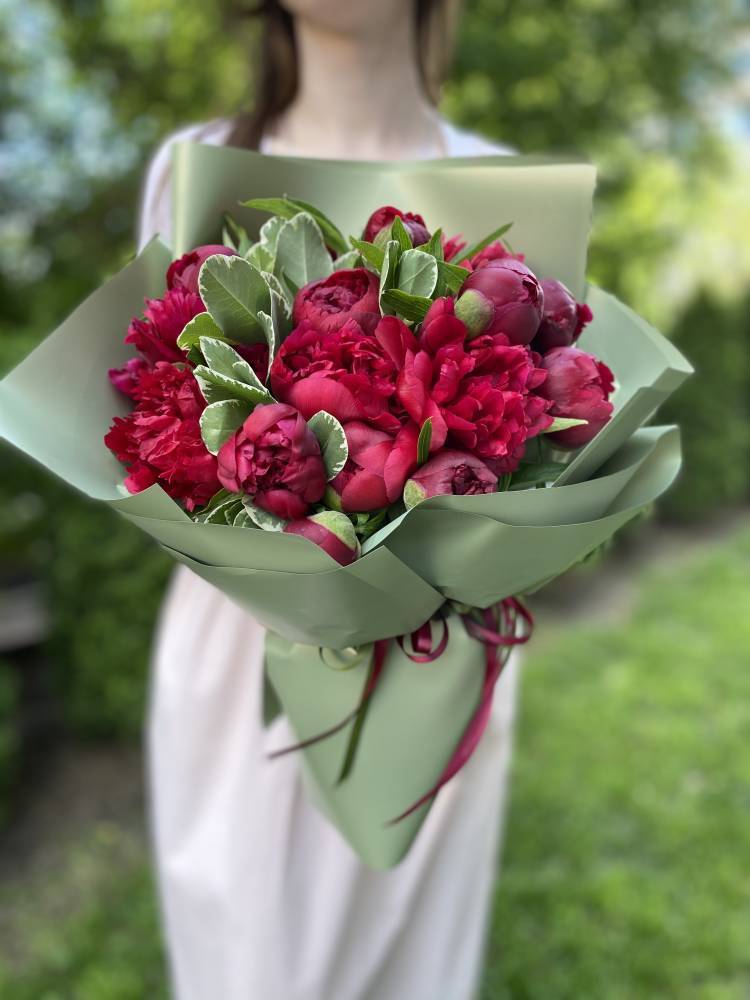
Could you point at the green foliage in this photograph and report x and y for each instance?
(713, 409)
(107, 582)
(625, 862)
(9, 734)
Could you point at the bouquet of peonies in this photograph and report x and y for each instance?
(375, 445)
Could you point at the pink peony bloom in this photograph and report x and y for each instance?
(331, 302)
(449, 472)
(562, 320)
(275, 459)
(155, 336)
(183, 272)
(383, 217)
(160, 441)
(502, 296)
(579, 386)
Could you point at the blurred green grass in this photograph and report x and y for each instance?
(625, 869)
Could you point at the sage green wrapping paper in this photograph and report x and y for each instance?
(548, 201)
(57, 405)
(415, 720)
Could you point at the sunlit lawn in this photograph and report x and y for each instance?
(627, 864)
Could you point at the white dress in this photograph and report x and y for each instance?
(261, 898)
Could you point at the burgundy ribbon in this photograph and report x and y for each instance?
(497, 631)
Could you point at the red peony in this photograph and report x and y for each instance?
(155, 336)
(183, 272)
(331, 302)
(502, 296)
(377, 467)
(563, 318)
(382, 218)
(126, 379)
(275, 459)
(579, 386)
(480, 395)
(452, 246)
(351, 373)
(160, 441)
(450, 472)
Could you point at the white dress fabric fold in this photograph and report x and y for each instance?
(261, 897)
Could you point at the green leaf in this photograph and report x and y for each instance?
(332, 440)
(222, 358)
(217, 387)
(217, 501)
(389, 268)
(301, 253)
(262, 518)
(435, 245)
(476, 247)
(238, 238)
(269, 328)
(417, 273)
(400, 235)
(423, 441)
(347, 260)
(259, 256)
(452, 276)
(269, 233)
(287, 208)
(199, 326)
(563, 423)
(234, 291)
(530, 476)
(372, 254)
(242, 519)
(220, 420)
(412, 308)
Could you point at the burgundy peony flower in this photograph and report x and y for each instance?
(332, 531)
(449, 472)
(495, 251)
(563, 318)
(377, 467)
(452, 246)
(350, 373)
(331, 302)
(126, 379)
(155, 337)
(579, 386)
(382, 218)
(275, 459)
(502, 296)
(160, 441)
(480, 395)
(183, 272)
(257, 357)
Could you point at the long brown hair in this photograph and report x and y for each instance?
(277, 77)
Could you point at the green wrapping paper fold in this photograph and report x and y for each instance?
(57, 405)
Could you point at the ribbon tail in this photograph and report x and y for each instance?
(472, 734)
(380, 650)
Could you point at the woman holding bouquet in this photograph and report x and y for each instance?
(261, 897)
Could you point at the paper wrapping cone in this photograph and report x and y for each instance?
(57, 405)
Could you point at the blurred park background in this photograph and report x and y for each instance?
(627, 862)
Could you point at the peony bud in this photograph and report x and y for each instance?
(332, 531)
(183, 272)
(562, 320)
(579, 386)
(379, 226)
(449, 472)
(502, 296)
